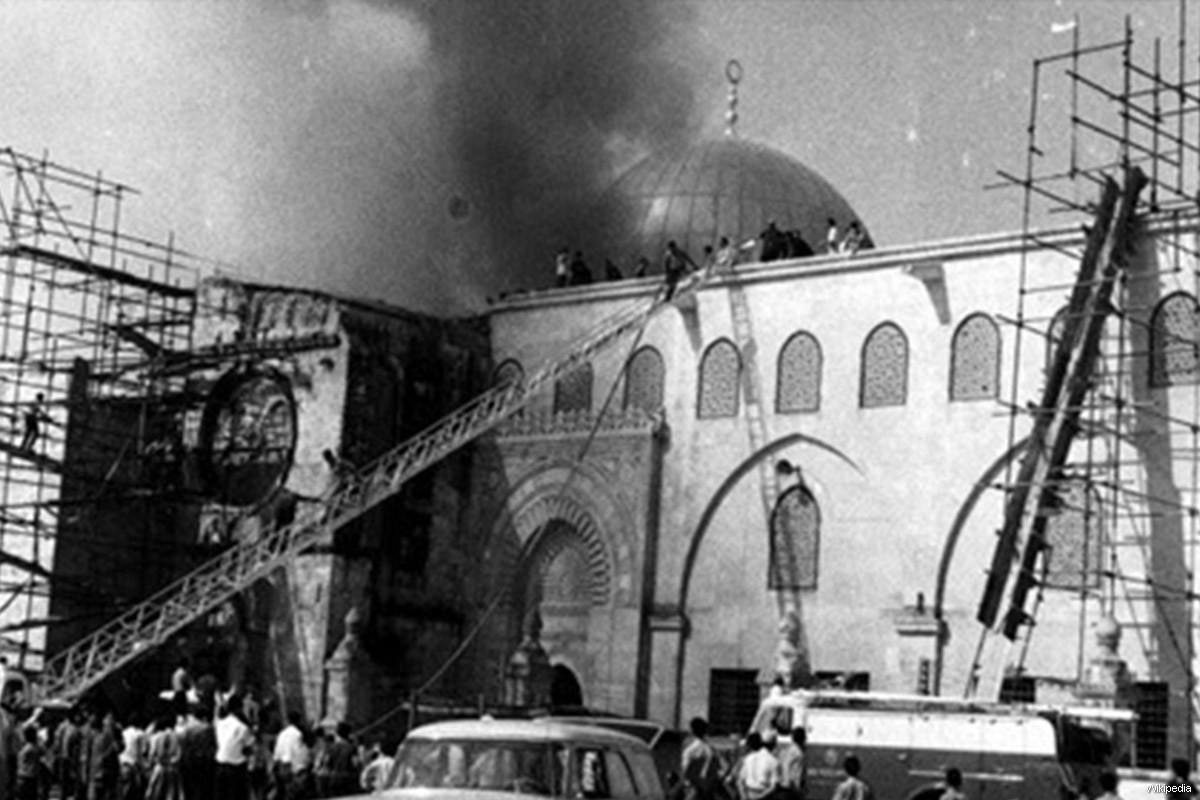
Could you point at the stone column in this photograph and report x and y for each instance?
(348, 677)
(788, 671)
(1106, 680)
(528, 677)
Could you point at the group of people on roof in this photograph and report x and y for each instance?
(773, 244)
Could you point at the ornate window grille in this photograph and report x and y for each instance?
(798, 386)
(720, 375)
(1074, 539)
(975, 359)
(573, 392)
(1174, 353)
(508, 372)
(795, 540)
(644, 380)
(884, 380)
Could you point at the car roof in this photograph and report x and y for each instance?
(523, 729)
(645, 730)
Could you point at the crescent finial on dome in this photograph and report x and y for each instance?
(733, 74)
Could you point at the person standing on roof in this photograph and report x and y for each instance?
(562, 267)
(856, 239)
(726, 256)
(676, 264)
(832, 238)
(774, 243)
(580, 273)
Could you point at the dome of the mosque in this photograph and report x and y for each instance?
(721, 187)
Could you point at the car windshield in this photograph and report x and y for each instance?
(526, 767)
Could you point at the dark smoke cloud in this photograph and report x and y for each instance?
(422, 152)
(543, 101)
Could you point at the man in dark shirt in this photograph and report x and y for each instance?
(774, 243)
(675, 265)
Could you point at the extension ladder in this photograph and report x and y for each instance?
(1056, 421)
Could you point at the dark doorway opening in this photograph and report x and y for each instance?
(564, 688)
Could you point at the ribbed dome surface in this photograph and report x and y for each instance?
(722, 187)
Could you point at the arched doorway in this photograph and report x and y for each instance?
(562, 583)
(564, 688)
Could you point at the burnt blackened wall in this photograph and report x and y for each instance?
(404, 561)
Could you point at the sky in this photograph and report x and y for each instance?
(427, 153)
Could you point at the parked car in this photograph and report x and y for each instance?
(666, 744)
(494, 758)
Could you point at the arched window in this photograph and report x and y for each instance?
(798, 386)
(795, 540)
(1054, 334)
(720, 374)
(507, 373)
(573, 391)
(1174, 357)
(1074, 540)
(975, 359)
(884, 380)
(644, 380)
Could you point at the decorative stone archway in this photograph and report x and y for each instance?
(567, 538)
(564, 575)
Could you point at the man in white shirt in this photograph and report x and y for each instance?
(134, 759)
(291, 757)
(760, 773)
(234, 742)
(378, 771)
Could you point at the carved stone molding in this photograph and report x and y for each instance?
(578, 424)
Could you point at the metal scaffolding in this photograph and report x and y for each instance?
(1117, 107)
(87, 313)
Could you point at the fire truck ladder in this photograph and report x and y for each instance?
(1056, 420)
(73, 671)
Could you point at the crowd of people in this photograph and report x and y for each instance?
(774, 767)
(773, 244)
(196, 744)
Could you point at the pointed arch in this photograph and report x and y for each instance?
(884, 367)
(573, 391)
(795, 540)
(549, 525)
(508, 372)
(798, 381)
(1175, 341)
(720, 381)
(645, 377)
(975, 359)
